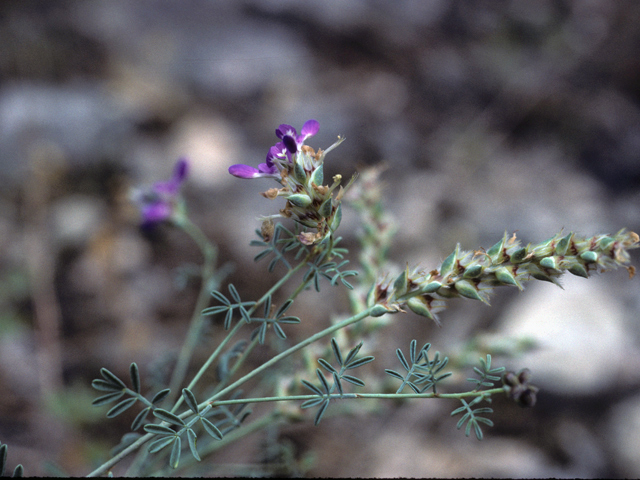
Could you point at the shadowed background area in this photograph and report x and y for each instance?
(489, 116)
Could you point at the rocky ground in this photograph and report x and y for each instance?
(490, 116)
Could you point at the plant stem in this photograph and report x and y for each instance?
(288, 352)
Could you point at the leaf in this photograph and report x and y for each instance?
(141, 417)
(135, 377)
(234, 293)
(412, 351)
(279, 332)
(312, 387)
(320, 414)
(176, 450)
(3, 458)
(168, 417)
(359, 362)
(109, 397)
(323, 381)
(18, 472)
(327, 365)
(190, 400)
(110, 377)
(191, 435)
(211, 429)
(353, 380)
(336, 351)
(352, 353)
(395, 374)
(121, 407)
(105, 386)
(158, 429)
(285, 306)
(161, 443)
(336, 381)
(403, 360)
(161, 395)
(312, 403)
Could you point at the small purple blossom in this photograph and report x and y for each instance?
(158, 203)
(289, 144)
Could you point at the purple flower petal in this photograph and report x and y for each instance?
(156, 212)
(181, 170)
(290, 143)
(285, 129)
(310, 128)
(246, 171)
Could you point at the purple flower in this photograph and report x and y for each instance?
(158, 203)
(289, 144)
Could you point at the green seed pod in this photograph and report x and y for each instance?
(589, 256)
(563, 245)
(420, 307)
(317, 176)
(430, 287)
(337, 218)
(466, 289)
(325, 208)
(605, 242)
(400, 285)
(519, 255)
(544, 249)
(578, 270)
(299, 200)
(473, 271)
(549, 262)
(298, 171)
(449, 262)
(504, 276)
(497, 248)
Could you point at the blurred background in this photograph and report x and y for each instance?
(489, 116)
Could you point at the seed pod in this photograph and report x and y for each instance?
(473, 271)
(466, 289)
(549, 262)
(589, 256)
(431, 287)
(563, 245)
(299, 200)
(578, 270)
(519, 255)
(504, 276)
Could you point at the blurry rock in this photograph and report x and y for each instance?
(624, 433)
(76, 218)
(78, 118)
(582, 342)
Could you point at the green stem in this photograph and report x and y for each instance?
(209, 252)
(337, 396)
(288, 352)
(234, 330)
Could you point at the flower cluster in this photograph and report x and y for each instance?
(299, 169)
(474, 274)
(161, 201)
